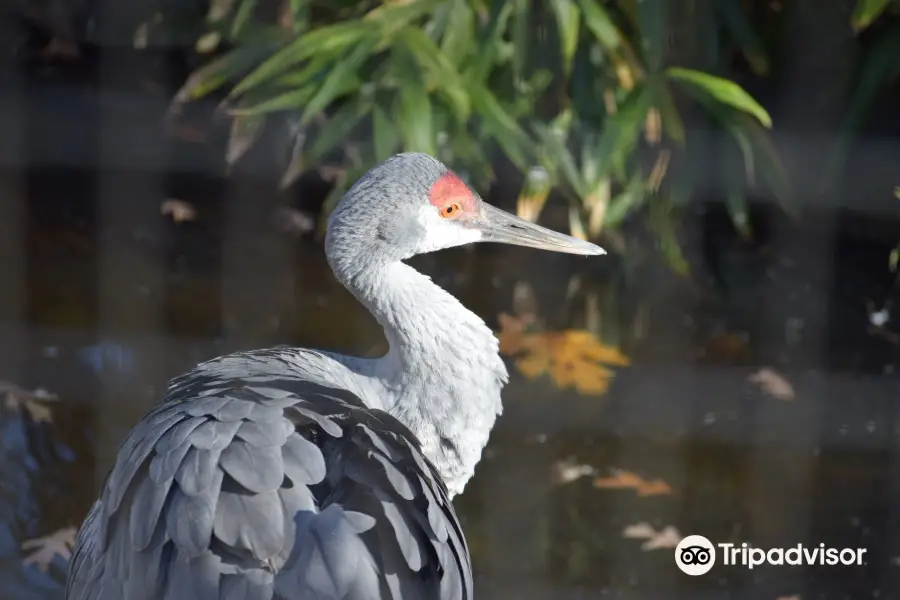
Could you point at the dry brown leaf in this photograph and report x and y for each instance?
(49, 547)
(179, 210)
(34, 402)
(626, 480)
(657, 487)
(620, 480)
(773, 384)
(727, 347)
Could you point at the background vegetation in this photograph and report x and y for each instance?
(586, 101)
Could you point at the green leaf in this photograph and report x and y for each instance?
(652, 18)
(568, 21)
(621, 131)
(220, 71)
(735, 196)
(881, 65)
(439, 69)
(293, 99)
(626, 202)
(558, 158)
(769, 166)
(338, 126)
(394, 16)
(668, 112)
(723, 90)
(340, 80)
(866, 12)
(507, 132)
(521, 36)
(244, 13)
(245, 132)
(662, 221)
(601, 25)
(314, 69)
(414, 117)
(300, 14)
(384, 135)
(492, 42)
(322, 40)
(740, 28)
(458, 38)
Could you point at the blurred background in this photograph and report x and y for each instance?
(729, 370)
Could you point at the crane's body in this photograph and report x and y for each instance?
(296, 474)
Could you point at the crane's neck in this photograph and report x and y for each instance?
(442, 374)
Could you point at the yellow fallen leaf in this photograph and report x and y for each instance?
(572, 358)
(532, 365)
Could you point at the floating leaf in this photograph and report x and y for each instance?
(179, 210)
(572, 358)
(34, 402)
(626, 480)
(567, 470)
(723, 90)
(773, 383)
(46, 549)
(666, 538)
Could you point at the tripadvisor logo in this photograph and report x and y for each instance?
(696, 555)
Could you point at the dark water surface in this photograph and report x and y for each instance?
(113, 299)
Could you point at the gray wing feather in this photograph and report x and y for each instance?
(280, 491)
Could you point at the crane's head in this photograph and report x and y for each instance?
(412, 204)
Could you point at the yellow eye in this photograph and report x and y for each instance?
(451, 211)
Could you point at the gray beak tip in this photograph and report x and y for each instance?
(596, 251)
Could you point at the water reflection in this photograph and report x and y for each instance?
(717, 448)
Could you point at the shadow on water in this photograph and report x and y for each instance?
(113, 310)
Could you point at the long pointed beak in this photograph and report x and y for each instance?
(499, 226)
